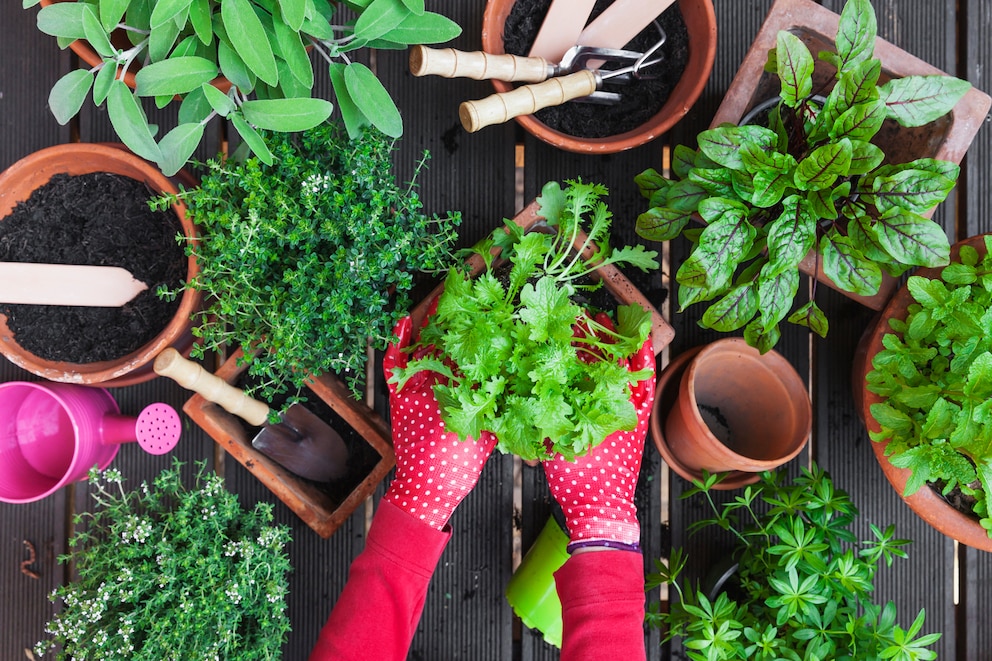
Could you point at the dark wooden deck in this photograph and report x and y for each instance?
(466, 616)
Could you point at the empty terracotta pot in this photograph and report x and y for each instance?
(727, 408)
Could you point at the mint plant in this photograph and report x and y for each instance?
(935, 375)
(259, 46)
(306, 262)
(811, 179)
(170, 572)
(522, 358)
(805, 581)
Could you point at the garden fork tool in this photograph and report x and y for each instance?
(557, 83)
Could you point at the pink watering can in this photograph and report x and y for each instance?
(51, 434)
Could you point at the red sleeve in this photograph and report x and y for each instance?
(377, 613)
(602, 599)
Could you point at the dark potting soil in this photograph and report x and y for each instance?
(639, 100)
(957, 498)
(362, 457)
(717, 423)
(94, 219)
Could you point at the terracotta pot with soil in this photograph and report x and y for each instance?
(647, 108)
(725, 407)
(946, 139)
(87, 204)
(322, 506)
(927, 501)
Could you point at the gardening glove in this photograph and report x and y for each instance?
(596, 491)
(434, 470)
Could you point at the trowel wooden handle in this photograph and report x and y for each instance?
(499, 108)
(193, 377)
(451, 63)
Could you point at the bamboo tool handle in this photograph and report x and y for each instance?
(193, 377)
(451, 63)
(499, 108)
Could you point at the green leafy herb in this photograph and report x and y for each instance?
(310, 259)
(935, 375)
(260, 46)
(532, 364)
(167, 572)
(804, 581)
(810, 179)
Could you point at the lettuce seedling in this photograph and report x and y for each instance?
(522, 358)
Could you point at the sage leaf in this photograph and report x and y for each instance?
(379, 18)
(847, 267)
(111, 13)
(97, 36)
(64, 19)
(416, 6)
(251, 138)
(167, 10)
(919, 100)
(176, 75)
(287, 115)
(795, 68)
(424, 28)
(130, 124)
(249, 40)
(102, 81)
(161, 40)
(177, 146)
(200, 19)
(372, 99)
(912, 239)
(353, 118)
(294, 53)
(293, 13)
(234, 68)
(221, 103)
(195, 107)
(68, 94)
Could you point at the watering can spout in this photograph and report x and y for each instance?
(156, 429)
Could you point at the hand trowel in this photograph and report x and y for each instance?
(301, 442)
(67, 284)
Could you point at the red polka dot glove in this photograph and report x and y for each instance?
(434, 470)
(596, 492)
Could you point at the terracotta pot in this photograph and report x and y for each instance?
(85, 52)
(622, 289)
(946, 139)
(16, 185)
(926, 502)
(316, 508)
(700, 21)
(725, 407)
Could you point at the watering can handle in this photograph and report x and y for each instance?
(478, 65)
(192, 376)
(527, 99)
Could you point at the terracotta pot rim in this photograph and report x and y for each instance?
(121, 371)
(668, 384)
(682, 98)
(926, 503)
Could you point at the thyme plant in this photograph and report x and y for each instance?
(307, 261)
(170, 573)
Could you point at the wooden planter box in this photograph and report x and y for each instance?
(947, 138)
(316, 508)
